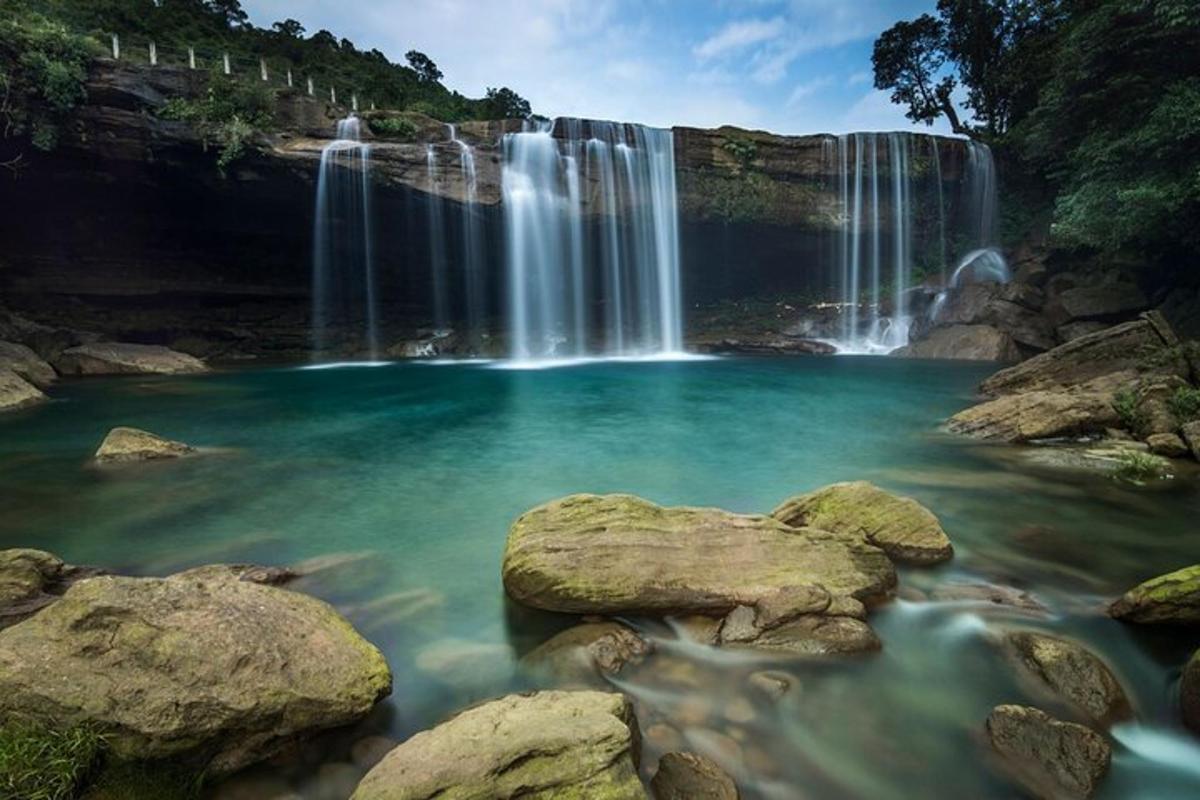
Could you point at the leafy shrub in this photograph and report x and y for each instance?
(1126, 405)
(394, 127)
(226, 117)
(743, 150)
(39, 763)
(1137, 467)
(1185, 404)
(43, 67)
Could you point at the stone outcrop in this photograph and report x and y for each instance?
(117, 358)
(1050, 758)
(1189, 693)
(1071, 672)
(687, 776)
(16, 392)
(125, 445)
(964, 343)
(903, 528)
(1012, 312)
(543, 745)
(1172, 599)
(29, 365)
(1102, 302)
(206, 665)
(620, 554)
(583, 655)
(1037, 415)
(1169, 445)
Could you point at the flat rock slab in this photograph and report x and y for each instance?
(117, 358)
(1073, 673)
(1172, 599)
(16, 392)
(202, 665)
(124, 445)
(902, 527)
(1037, 415)
(620, 554)
(1050, 758)
(538, 746)
(687, 776)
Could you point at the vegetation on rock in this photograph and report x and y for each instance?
(1137, 467)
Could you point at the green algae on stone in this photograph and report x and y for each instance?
(614, 554)
(905, 530)
(1172, 599)
(561, 745)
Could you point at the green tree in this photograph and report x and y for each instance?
(504, 103)
(908, 60)
(423, 65)
(290, 28)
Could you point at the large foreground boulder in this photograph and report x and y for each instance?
(538, 746)
(16, 392)
(26, 363)
(1172, 599)
(204, 665)
(115, 358)
(620, 554)
(1071, 672)
(900, 526)
(123, 445)
(1050, 758)
(964, 343)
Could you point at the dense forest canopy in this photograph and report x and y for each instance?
(214, 27)
(1095, 104)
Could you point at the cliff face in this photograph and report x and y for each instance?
(129, 229)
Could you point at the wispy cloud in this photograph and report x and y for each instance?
(739, 35)
(809, 88)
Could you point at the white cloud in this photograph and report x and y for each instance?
(739, 35)
(858, 78)
(808, 88)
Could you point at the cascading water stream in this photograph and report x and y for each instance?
(591, 222)
(343, 249)
(472, 242)
(437, 245)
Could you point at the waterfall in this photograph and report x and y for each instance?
(591, 222)
(343, 282)
(475, 278)
(437, 245)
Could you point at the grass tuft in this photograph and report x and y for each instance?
(41, 763)
(1137, 468)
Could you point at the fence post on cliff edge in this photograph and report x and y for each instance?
(153, 55)
(310, 86)
(262, 68)
(191, 58)
(289, 77)
(354, 102)
(116, 47)
(225, 58)
(333, 95)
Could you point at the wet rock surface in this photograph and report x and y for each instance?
(27, 364)
(583, 655)
(687, 776)
(964, 343)
(1172, 599)
(1071, 672)
(1051, 759)
(540, 745)
(30, 580)
(126, 445)
(114, 358)
(16, 392)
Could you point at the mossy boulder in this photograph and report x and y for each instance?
(905, 530)
(1173, 599)
(620, 554)
(561, 745)
(202, 666)
(124, 445)
(1071, 672)
(1050, 758)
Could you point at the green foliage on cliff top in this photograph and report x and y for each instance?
(227, 116)
(213, 27)
(39, 763)
(43, 66)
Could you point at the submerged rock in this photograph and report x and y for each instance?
(581, 656)
(541, 745)
(620, 554)
(1073, 673)
(123, 445)
(1050, 758)
(16, 392)
(1189, 693)
(687, 776)
(467, 666)
(26, 363)
(113, 358)
(202, 666)
(965, 343)
(1173, 598)
(993, 594)
(810, 635)
(905, 530)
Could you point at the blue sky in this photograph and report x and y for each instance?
(788, 66)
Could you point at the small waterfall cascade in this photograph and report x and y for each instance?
(891, 233)
(474, 268)
(437, 245)
(592, 230)
(343, 281)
